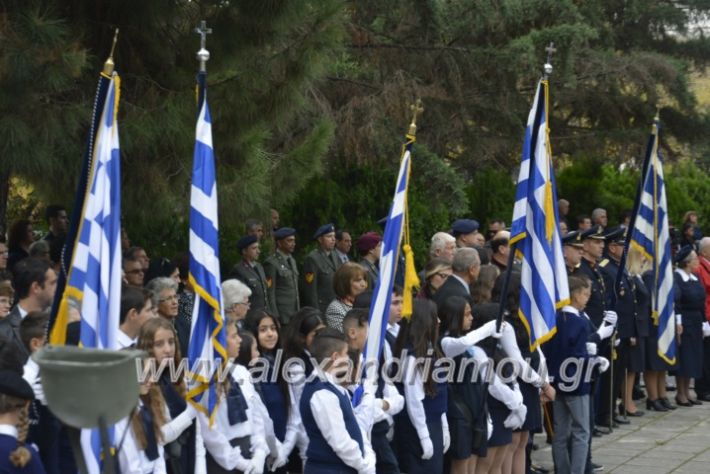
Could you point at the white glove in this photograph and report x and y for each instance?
(281, 458)
(611, 317)
(617, 342)
(38, 390)
(516, 418)
(605, 331)
(706, 329)
(499, 334)
(447, 438)
(678, 319)
(256, 464)
(191, 411)
(603, 363)
(591, 349)
(427, 448)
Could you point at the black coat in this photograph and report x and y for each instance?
(451, 287)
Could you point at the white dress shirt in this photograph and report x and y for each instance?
(175, 427)
(131, 458)
(217, 439)
(123, 340)
(328, 416)
(414, 397)
(30, 372)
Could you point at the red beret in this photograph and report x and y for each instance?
(367, 242)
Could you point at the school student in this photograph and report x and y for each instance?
(299, 335)
(336, 440)
(282, 421)
(184, 448)
(422, 432)
(236, 442)
(16, 456)
(467, 408)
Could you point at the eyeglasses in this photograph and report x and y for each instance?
(245, 303)
(168, 298)
(442, 275)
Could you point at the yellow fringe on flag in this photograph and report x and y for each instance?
(411, 281)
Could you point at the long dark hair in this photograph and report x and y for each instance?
(303, 322)
(244, 355)
(451, 316)
(419, 335)
(252, 324)
(512, 307)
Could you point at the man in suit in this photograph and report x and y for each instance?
(282, 275)
(250, 272)
(318, 270)
(466, 267)
(343, 244)
(35, 283)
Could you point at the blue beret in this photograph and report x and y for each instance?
(246, 241)
(12, 383)
(324, 229)
(616, 235)
(596, 232)
(573, 238)
(683, 253)
(464, 226)
(284, 232)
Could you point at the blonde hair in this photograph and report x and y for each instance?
(636, 262)
(21, 455)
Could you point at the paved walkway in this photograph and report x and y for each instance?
(658, 443)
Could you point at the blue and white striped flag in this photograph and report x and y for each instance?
(382, 295)
(207, 349)
(535, 229)
(94, 278)
(650, 234)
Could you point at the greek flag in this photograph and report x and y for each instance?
(94, 276)
(535, 229)
(207, 349)
(650, 234)
(382, 296)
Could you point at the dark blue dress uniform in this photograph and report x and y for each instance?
(690, 303)
(598, 300)
(653, 360)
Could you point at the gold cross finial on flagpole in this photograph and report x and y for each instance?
(416, 108)
(109, 64)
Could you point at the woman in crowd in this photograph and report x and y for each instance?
(236, 301)
(165, 299)
(690, 314)
(184, 449)
(482, 289)
(349, 281)
(436, 271)
(19, 238)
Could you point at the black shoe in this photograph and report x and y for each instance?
(666, 403)
(607, 425)
(655, 405)
(597, 467)
(683, 404)
(621, 420)
(695, 402)
(704, 397)
(537, 469)
(596, 433)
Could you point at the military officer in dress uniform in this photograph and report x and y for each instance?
(250, 272)
(318, 270)
(282, 276)
(369, 246)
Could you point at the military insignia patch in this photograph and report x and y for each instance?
(268, 282)
(309, 277)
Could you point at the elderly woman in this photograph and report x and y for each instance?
(436, 271)
(165, 299)
(236, 301)
(349, 281)
(690, 314)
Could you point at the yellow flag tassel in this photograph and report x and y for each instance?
(411, 281)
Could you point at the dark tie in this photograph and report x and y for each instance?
(236, 405)
(151, 448)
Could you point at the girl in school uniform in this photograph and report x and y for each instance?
(236, 442)
(467, 406)
(274, 390)
(184, 448)
(297, 339)
(16, 456)
(142, 449)
(422, 430)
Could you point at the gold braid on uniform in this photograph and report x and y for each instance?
(21, 455)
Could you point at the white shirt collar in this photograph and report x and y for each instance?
(8, 430)
(330, 378)
(123, 340)
(393, 329)
(463, 282)
(22, 311)
(685, 275)
(570, 309)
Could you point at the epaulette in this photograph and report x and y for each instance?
(604, 263)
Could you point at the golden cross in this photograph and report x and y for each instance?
(416, 109)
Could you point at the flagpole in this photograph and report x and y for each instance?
(547, 70)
